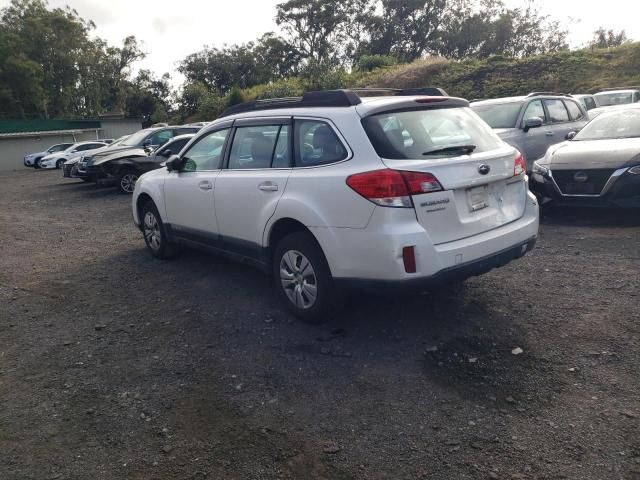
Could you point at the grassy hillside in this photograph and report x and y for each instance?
(580, 71)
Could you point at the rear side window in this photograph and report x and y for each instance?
(317, 144)
(535, 109)
(259, 146)
(416, 134)
(590, 103)
(557, 111)
(574, 110)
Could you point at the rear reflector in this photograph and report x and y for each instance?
(519, 165)
(409, 259)
(393, 188)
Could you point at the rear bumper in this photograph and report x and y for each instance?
(448, 275)
(375, 254)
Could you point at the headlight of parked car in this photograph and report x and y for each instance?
(539, 169)
(635, 170)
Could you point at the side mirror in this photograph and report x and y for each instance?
(175, 163)
(148, 149)
(533, 122)
(570, 135)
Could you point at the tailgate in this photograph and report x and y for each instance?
(471, 202)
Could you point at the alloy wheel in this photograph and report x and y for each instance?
(152, 233)
(128, 182)
(298, 279)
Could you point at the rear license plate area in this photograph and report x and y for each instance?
(580, 189)
(478, 198)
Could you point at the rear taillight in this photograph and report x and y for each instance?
(393, 188)
(519, 165)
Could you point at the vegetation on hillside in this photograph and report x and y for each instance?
(52, 67)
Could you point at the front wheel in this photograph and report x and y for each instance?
(302, 277)
(155, 236)
(37, 164)
(127, 181)
(59, 164)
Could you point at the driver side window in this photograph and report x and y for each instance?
(533, 110)
(206, 153)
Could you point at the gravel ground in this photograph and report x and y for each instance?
(114, 365)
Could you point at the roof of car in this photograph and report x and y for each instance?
(625, 90)
(498, 101)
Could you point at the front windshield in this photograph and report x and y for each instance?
(623, 124)
(499, 115)
(620, 98)
(135, 139)
(59, 148)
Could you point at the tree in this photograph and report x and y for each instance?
(603, 38)
(49, 65)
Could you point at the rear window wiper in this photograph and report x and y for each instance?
(453, 148)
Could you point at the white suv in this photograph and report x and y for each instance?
(335, 190)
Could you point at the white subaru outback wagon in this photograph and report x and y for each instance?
(337, 189)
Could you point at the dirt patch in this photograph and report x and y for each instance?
(115, 365)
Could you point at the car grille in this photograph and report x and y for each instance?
(582, 182)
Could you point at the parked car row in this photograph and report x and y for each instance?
(376, 189)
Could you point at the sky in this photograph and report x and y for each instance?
(170, 30)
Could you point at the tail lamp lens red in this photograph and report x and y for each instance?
(519, 165)
(393, 188)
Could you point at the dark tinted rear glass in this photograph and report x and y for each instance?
(411, 134)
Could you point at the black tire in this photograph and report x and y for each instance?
(85, 179)
(37, 163)
(59, 164)
(155, 235)
(298, 247)
(127, 181)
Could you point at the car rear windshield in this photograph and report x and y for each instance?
(622, 124)
(499, 115)
(429, 133)
(620, 98)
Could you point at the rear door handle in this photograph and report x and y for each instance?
(268, 187)
(205, 185)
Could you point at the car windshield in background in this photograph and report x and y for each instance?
(499, 115)
(431, 133)
(59, 148)
(624, 124)
(135, 139)
(607, 99)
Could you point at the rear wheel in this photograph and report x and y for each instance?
(127, 181)
(302, 277)
(155, 235)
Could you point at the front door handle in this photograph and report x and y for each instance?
(268, 187)
(205, 185)
(549, 134)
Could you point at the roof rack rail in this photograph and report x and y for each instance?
(631, 87)
(401, 92)
(326, 98)
(557, 94)
(329, 98)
